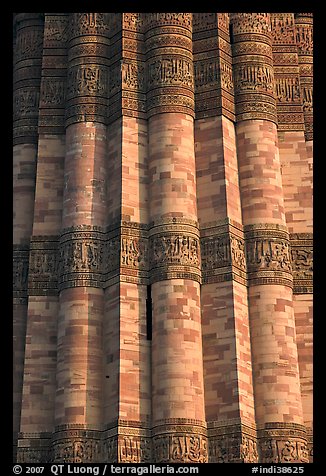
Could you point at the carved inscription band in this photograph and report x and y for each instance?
(279, 445)
(268, 255)
(302, 262)
(91, 256)
(235, 443)
(157, 71)
(20, 273)
(180, 443)
(171, 443)
(223, 254)
(27, 76)
(253, 66)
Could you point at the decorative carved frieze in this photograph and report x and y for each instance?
(91, 256)
(287, 89)
(43, 266)
(283, 443)
(304, 39)
(26, 103)
(29, 43)
(258, 23)
(34, 448)
(287, 83)
(223, 253)
(234, 443)
(110, 449)
(20, 271)
(304, 43)
(89, 24)
(133, 75)
(54, 70)
(307, 99)
(77, 446)
(81, 257)
(174, 251)
(133, 21)
(168, 19)
(253, 66)
(173, 41)
(170, 103)
(207, 73)
(180, 443)
(251, 77)
(268, 255)
(169, 71)
(27, 76)
(213, 73)
(204, 21)
(56, 30)
(302, 262)
(282, 28)
(87, 80)
(88, 64)
(53, 92)
(134, 449)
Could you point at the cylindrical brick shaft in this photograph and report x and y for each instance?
(274, 350)
(178, 417)
(79, 361)
(26, 92)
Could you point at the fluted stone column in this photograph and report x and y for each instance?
(26, 93)
(229, 401)
(278, 406)
(78, 410)
(41, 333)
(127, 344)
(292, 57)
(302, 250)
(178, 416)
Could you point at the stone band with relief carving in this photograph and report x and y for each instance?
(170, 79)
(20, 272)
(81, 257)
(88, 68)
(233, 443)
(91, 256)
(77, 446)
(43, 266)
(37, 449)
(283, 443)
(223, 254)
(127, 442)
(268, 255)
(27, 76)
(302, 262)
(180, 442)
(304, 42)
(174, 252)
(253, 69)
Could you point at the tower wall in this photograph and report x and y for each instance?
(163, 237)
